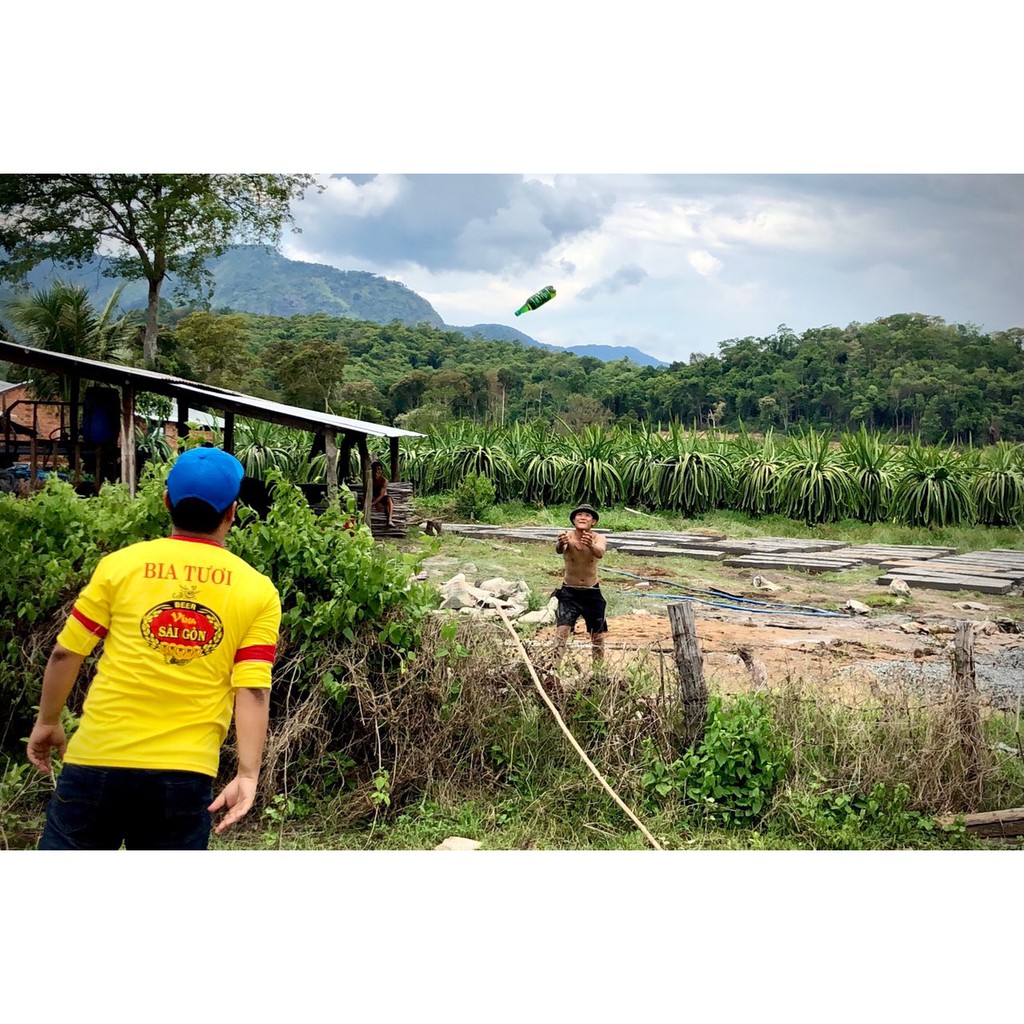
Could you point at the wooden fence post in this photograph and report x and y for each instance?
(331, 449)
(693, 691)
(965, 702)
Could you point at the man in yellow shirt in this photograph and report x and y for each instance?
(189, 632)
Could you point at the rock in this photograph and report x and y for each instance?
(499, 587)
(857, 607)
(760, 583)
(971, 606)
(460, 598)
(900, 587)
(541, 618)
(458, 843)
(642, 585)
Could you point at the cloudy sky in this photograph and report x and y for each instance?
(674, 264)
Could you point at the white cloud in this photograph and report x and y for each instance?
(704, 263)
(343, 196)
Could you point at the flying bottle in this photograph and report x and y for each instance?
(537, 299)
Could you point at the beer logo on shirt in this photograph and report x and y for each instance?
(182, 631)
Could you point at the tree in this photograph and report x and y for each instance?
(361, 400)
(61, 318)
(308, 372)
(215, 348)
(155, 224)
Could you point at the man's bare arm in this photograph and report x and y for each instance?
(252, 715)
(47, 734)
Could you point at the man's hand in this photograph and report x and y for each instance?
(236, 797)
(42, 742)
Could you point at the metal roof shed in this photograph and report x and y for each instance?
(193, 394)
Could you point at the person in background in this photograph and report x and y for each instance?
(382, 501)
(189, 634)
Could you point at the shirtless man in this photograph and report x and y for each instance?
(580, 595)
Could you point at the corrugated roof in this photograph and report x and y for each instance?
(192, 392)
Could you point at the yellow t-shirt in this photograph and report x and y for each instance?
(184, 622)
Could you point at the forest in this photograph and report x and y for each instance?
(908, 373)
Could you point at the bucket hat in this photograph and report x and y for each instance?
(583, 508)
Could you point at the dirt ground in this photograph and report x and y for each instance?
(909, 642)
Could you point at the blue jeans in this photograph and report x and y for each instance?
(142, 808)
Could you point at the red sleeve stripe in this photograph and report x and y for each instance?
(258, 652)
(93, 627)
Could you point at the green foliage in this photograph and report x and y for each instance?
(847, 818)
(933, 488)
(23, 796)
(814, 485)
(730, 778)
(755, 471)
(694, 477)
(998, 486)
(474, 497)
(870, 461)
(331, 581)
(590, 473)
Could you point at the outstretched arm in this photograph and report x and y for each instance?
(252, 713)
(48, 734)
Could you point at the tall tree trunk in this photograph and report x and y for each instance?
(149, 338)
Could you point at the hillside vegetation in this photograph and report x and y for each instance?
(907, 373)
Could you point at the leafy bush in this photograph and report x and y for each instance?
(849, 819)
(869, 460)
(998, 486)
(813, 484)
(933, 488)
(474, 496)
(730, 777)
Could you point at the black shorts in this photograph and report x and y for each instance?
(587, 602)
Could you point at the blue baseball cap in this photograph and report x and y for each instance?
(210, 474)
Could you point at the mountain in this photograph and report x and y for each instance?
(611, 353)
(253, 279)
(606, 353)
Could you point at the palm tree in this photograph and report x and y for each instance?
(61, 318)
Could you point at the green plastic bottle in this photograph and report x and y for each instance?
(537, 299)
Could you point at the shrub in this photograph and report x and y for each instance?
(730, 777)
(474, 496)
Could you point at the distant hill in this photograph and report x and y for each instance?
(252, 279)
(606, 353)
(612, 353)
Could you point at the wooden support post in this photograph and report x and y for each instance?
(229, 432)
(182, 424)
(965, 703)
(74, 431)
(331, 447)
(33, 455)
(364, 465)
(693, 690)
(393, 443)
(128, 437)
(345, 458)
